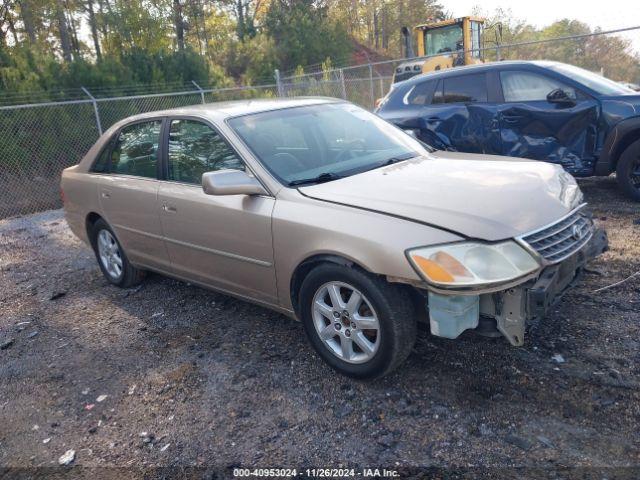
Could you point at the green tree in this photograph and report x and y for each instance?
(304, 33)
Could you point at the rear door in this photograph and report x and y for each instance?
(129, 192)
(223, 241)
(532, 127)
(462, 115)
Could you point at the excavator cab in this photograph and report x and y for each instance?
(446, 44)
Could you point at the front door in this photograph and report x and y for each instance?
(532, 127)
(222, 241)
(129, 193)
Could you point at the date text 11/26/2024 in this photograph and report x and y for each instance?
(316, 472)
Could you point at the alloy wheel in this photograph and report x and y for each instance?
(109, 253)
(346, 322)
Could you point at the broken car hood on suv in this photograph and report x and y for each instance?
(479, 196)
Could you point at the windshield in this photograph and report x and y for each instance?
(443, 39)
(318, 143)
(596, 82)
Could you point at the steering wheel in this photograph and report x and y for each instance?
(286, 159)
(348, 153)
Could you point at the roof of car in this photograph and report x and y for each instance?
(222, 110)
(481, 66)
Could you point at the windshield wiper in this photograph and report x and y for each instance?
(392, 160)
(323, 177)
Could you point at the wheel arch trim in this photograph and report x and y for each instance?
(90, 220)
(304, 267)
(624, 133)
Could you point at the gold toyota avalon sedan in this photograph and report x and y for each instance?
(319, 209)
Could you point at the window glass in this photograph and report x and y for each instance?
(101, 165)
(419, 94)
(278, 131)
(195, 148)
(438, 95)
(600, 84)
(466, 88)
(530, 87)
(476, 34)
(136, 150)
(443, 39)
(340, 140)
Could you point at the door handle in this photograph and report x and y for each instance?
(105, 194)
(169, 208)
(434, 119)
(512, 118)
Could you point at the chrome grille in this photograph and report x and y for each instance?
(564, 238)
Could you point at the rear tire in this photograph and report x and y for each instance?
(111, 258)
(628, 171)
(362, 326)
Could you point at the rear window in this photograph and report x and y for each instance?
(136, 150)
(465, 88)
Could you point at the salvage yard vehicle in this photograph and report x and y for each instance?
(446, 44)
(540, 110)
(325, 212)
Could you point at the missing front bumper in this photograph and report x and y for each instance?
(511, 310)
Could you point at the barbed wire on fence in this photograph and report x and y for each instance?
(42, 135)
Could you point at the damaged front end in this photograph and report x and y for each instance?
(562, 250)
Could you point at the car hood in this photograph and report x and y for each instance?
(479, 196)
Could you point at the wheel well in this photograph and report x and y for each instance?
(310, 263)
(92, 218)
(306, 266)
(629, 138)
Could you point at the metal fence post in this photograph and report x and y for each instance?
(95, 109)
(381, 84)
(373, 95)
(344, 87)
(278, 82)
(200, 90)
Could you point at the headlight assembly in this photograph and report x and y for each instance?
(472, 264)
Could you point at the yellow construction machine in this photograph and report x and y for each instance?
(445, 44)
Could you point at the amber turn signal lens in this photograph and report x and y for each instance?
(432, 270)
(451, 265)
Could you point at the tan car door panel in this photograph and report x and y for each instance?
(224, 241)
(130, 205)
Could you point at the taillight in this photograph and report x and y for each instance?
(62, 197)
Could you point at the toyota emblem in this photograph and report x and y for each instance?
(577, 232)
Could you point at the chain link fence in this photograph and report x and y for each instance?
(599, 52)
(39, 140)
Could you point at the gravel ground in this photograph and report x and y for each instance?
(171, 375)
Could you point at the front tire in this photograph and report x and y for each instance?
(111, 258)
(628, 171)
(362, 326)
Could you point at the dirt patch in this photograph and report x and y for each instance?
(170, 375)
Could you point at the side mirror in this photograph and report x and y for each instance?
(560, 97)
(412, 132)
(231, 182)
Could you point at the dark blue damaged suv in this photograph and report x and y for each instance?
(542, 110)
